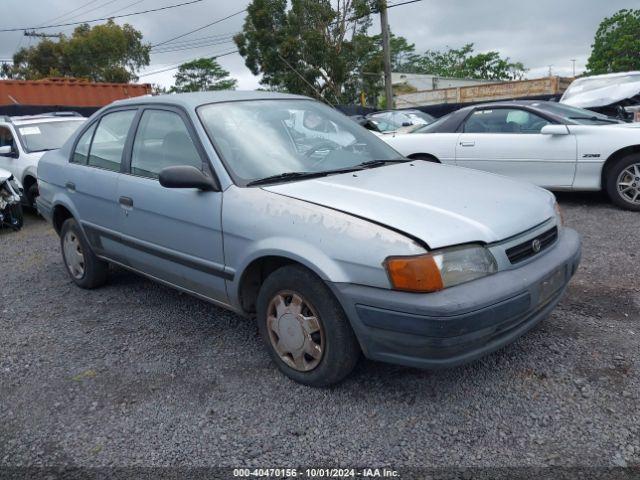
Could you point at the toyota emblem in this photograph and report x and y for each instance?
(536, 246)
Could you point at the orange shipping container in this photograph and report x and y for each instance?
(67, 92)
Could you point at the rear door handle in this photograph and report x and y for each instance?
(70, 186)
(126, 202)
(468, 144)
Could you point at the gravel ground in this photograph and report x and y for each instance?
(136, 374)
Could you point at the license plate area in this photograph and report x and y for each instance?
(551, 284)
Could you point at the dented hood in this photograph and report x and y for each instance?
(438, 204)
(602, 90)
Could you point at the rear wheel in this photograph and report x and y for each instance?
(305, 329)
(85, 269)
(623, 182)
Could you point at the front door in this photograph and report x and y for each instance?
(174, 235)
(508, 141)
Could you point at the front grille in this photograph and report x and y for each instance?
(528, 249)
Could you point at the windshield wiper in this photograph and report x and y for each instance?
(379, 163)
(324, 173)
(595, 119)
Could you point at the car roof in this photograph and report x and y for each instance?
(195, 99)
(39, 118)
(505, 103)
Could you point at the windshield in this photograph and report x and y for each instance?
(575, 114)
(264, 138)
(41, 136)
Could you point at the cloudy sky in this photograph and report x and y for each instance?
(538, 33)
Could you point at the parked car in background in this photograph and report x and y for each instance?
(613, 94)
(403, 118)
(10, 208)
(23, 140)
(552, 145)
(336, 248)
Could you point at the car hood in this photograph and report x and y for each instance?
(603, 96)
(438, 204)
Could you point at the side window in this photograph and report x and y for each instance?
(526, 122)
(81, 152)
(504, 120)
(162, 140)
(6, 139)
(109, 139)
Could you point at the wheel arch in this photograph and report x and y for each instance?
(613, 158)
(424, 156)
(260, 266)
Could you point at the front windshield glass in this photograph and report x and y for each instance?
(41, 136)
(264, 138)
(575, 114)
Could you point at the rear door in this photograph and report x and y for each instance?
(92, 178)
(174, 235)
(508, 141)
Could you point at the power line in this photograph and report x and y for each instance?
(206, 37)
(17, 29)
(191, 47)
(185, 61)
(70, 11)
(90, 10)
(200, 28)
(125, 7)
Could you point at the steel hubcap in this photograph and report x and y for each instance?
(629, 184)
(295, 331)
(73, 255)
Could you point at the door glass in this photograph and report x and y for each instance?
(82, 148)
(108, 142)
(504, 120)
(162, 141)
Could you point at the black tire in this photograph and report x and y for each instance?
(95, 271)
(611, 182)
(32, 194)
(18, 217)
(341, 350)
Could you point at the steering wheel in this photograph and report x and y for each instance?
(324, 145)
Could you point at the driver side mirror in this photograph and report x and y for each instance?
(185, 176)
(7, 151)
(555, 130)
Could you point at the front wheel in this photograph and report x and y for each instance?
(305, 329)
(623, 182)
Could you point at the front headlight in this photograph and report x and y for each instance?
(440, 269)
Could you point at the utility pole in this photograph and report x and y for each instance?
(573, 61)
(386, 52)
(550, 71)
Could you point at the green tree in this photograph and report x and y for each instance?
(202, 74)
(463, 63)
(314, 47)
(103, 53)
(616, 47)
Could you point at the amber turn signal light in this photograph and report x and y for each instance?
(414, 274)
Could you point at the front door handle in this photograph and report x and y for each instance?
(468, 144)
(126, 202)
(70, 186)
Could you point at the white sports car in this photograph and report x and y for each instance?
(555, 146)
